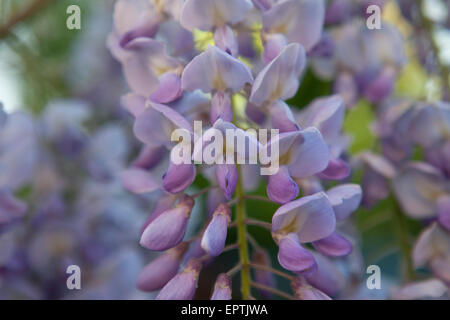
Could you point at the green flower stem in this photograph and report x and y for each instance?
(242, 240)
(404, 244)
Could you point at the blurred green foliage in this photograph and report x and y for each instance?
(357, 125)
(41, 46)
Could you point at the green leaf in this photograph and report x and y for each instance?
(357, 125)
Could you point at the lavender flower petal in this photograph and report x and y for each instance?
(168, 229)
(334, 245)
(292, 256)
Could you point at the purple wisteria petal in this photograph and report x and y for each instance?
(421, 290)
(11, 208)
(147, 29)
(161, 270)
(273, 46)
(139, 181)
(312, 157)
(440, 157)
(143, 61)
(334, 245)
(430, 124)
(180, 42)
(304, 291)
(327, 277)
(381, 87)
(208, 14)
(222, 288)
(379, 164)
(292, 256)
(221, 107)
(134, 103)
(226, 129)
(164, 203)
(289, 144)
(327, 115)
(19, 148)
(255, 113)
(311, 218)
(263, 5)
(224, 38)
(345, 199)
(169, 88)
(337, 169)
(227, 177)
(178, 177)
(440, 267)
(168, 229)
(135, 18)
(149, 157)
(378, 171)
(304, 152)
(215, 235)
(300, 21)
(215, 69)
(183, 285)
(337, 11)
(443, 211)
(280, 187)
(310, 186)
(346, 86)
(417, 188)
(149, 128)
(282, 117)
(422, 251)
(213, 199)
(243, 155)
(432, 249)
(324, 48)
(156, 124)
(280, 78)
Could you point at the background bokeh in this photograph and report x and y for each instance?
(45, 67)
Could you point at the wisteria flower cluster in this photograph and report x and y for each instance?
(410, 165)
(225, 149)
(233, 65)
(419, 183)
(62, 204)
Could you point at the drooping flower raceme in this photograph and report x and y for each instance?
(226, 100)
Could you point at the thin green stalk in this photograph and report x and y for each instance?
(242, 240)
(404, 244)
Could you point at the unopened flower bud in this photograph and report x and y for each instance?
(183, 285)
(222, 288)
(168, 229)
(158, 272)
(304, 291)
(213, 241)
